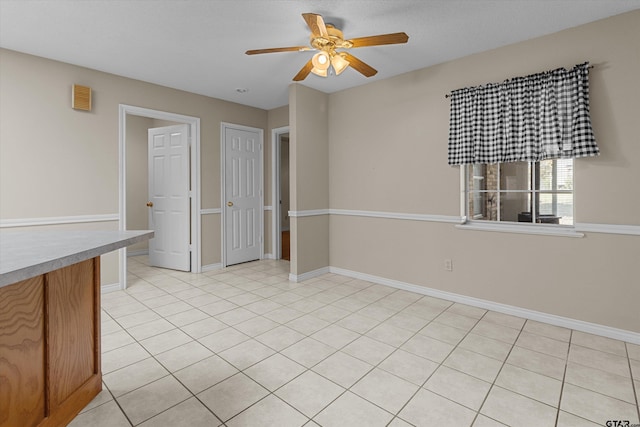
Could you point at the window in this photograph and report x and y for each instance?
(533, 192)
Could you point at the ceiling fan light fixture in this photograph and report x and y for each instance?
(339, 63)
(321, 60)
(319, 72)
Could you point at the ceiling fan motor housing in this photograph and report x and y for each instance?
(334, 40)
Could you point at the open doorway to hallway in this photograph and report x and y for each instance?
(284, 196)
(281, 198)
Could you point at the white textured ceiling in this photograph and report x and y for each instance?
(199, 45)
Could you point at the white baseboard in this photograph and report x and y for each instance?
(565, 322)
(308, 275)
(139, 252)
(269, 256)
(111, 287)
(211, 267)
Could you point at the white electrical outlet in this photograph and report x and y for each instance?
(448, 265)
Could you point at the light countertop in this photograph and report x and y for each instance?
(26, 254)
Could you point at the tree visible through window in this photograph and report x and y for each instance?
(534, 192)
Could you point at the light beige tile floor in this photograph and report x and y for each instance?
(245, 347)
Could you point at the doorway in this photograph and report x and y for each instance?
(129, 117)
(280, 191)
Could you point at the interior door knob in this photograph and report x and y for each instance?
(229, 204)
(150, 204)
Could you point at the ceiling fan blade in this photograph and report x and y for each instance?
(361, 67)
(393, 38)
(316, 24)
(304, 72)
(278, 49)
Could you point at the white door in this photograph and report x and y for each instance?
(169, 197)
(242, 195)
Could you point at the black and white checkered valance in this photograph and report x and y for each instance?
(532, 118)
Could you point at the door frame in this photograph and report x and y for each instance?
(223, 219)
(276, 134)
(194, 179)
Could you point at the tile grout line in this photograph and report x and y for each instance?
(497, 374)
(564, 376)
(633, 382)
(120, 407)
(491, 386)
(270, 393)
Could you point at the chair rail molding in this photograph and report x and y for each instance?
(57, 220)
(631, 230)
(211, 211)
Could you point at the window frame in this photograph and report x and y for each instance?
(510, 226)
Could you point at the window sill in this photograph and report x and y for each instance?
(520, 228)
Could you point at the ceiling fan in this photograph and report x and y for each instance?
(326, 39)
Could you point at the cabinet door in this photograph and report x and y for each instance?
(72, 339)
(22, 355)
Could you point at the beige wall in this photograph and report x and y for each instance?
(58, 162)
(388, 152)
(309, 168)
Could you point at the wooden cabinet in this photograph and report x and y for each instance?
(22, 379)
(50, 346)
